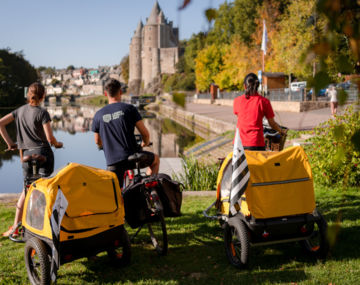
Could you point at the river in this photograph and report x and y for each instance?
(72, 126)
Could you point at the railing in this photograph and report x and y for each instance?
(353, 94)
(285, 95)
(281, 95)
(203, 96)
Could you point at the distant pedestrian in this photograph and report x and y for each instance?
(333, 100)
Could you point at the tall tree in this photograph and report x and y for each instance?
(193, 46)
(208, 64)
(223, 29)
(15, 74)
(293, 39)
(238, 61)
(124, 64)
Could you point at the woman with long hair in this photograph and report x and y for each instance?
(250, 109)
(34, 136)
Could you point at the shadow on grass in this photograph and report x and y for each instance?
(344, 207)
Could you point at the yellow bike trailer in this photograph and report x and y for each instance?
(277, 206)
(77, 213)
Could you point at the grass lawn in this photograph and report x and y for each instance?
(196, 253)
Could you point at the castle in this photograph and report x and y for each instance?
(154, 50)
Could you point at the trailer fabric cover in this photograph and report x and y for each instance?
(94, 197)
(281, 184)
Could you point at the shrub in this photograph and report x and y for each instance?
(198, 176)
(334, 152)
(179, 98)
(179, 82)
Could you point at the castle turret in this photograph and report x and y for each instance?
(135, 65)
(151, 53)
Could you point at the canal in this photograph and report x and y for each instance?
(72, 126)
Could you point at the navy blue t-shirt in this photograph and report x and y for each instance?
(116, 124)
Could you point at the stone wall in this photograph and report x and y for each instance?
(201, 125)
(168, 59)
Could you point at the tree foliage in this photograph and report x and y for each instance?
(208, 64)
(292, 40)
(124, 64)
(15, 74)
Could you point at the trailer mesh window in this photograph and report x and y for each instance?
(35, 210)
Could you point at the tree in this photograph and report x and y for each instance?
(293, 39)
(238, 61)
(245, 13)
(208, 64)
(70, 68)
(15, 74)
(224, 27)
(124, 64)
(193, 46)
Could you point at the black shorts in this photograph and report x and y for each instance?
(46, 168)
(120, 167)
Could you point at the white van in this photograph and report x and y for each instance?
(297, 86)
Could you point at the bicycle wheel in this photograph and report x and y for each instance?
(121, 255)
(317, 244)
(237, 246)
(158, 234)
(37, 261)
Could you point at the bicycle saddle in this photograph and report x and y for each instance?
(137, 157)
(34, 157)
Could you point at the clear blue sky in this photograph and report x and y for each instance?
(86, 32)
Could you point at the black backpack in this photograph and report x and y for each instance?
(170, 195)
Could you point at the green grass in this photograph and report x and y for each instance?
(196, 253)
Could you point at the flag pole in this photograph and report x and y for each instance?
(263, 45)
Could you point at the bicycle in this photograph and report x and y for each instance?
(153, 211)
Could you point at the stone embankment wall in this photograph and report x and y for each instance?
(201, 125)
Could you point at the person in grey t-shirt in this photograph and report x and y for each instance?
(34, 136)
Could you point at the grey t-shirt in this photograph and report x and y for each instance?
(29, 126)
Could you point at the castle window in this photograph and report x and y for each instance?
(149, 48)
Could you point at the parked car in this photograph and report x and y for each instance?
(321, 93)
(346, 85)
(297, 86)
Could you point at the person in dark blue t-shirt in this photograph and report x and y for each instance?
(114, 127)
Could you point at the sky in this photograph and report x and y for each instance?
(87, 33)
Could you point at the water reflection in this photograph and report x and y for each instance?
(72, 125)
(169, 138)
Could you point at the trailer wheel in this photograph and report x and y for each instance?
(237, 246)
(317, 244)
(121, 255)
(37, 262)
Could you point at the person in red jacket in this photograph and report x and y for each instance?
(250, 109)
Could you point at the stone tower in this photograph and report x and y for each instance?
(135, 65)
(153, 50)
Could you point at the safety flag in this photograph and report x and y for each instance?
(264, 38)
(57, 215)
(240, 173)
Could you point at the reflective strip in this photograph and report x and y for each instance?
(281, 182)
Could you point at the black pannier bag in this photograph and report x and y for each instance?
(170, 195)
(137, 212)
